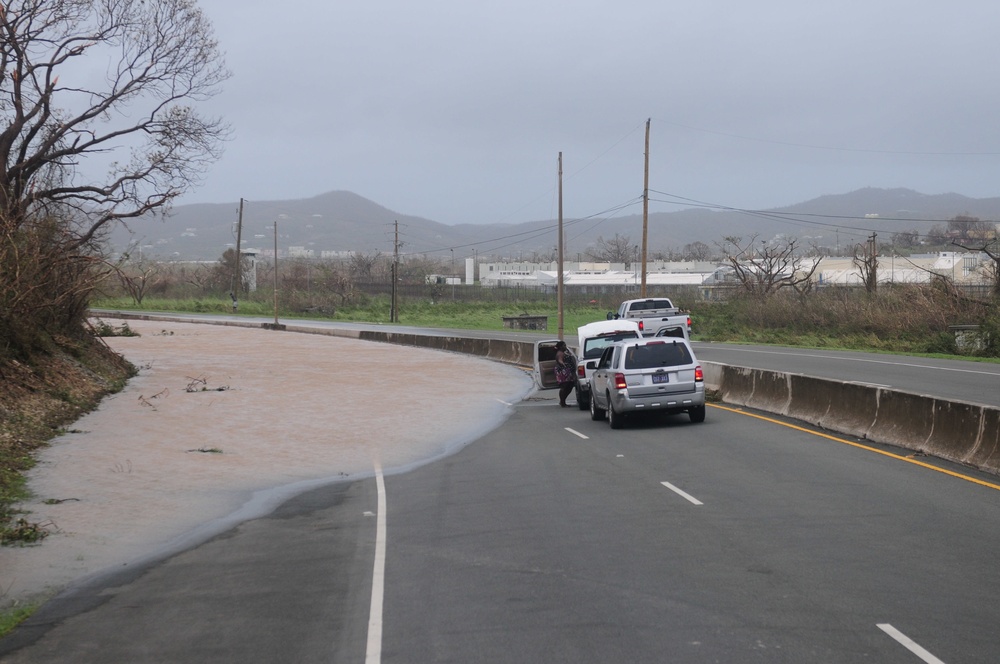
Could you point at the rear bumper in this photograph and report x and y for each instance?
(674, 402)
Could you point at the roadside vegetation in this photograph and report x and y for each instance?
(902, 318)
(139, 127)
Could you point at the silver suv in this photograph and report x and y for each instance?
(653, 374)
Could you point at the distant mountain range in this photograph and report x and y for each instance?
(340, 221)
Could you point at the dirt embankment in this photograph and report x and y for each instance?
(41, 394)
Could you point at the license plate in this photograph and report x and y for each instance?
(660, 378)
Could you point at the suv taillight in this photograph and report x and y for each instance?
(620, 381)
(699, 375)
(641, 326)
(581, 371)
(689, 322)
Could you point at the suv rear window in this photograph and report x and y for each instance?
(652, 356)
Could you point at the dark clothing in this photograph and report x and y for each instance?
(564, 390)
(565, 359)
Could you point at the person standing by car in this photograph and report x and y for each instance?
(565, 372)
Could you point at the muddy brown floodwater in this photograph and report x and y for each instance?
(222, 424)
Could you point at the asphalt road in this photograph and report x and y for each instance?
(556, 539)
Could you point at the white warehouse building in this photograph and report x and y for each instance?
(959, 267)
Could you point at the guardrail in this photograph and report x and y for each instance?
(961, 432)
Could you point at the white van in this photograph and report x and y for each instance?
(592, 339)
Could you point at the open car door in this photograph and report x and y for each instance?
(675, 331)
(545, 364)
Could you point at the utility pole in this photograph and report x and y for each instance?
(645, 213)
(238, 272)
(276, 274)
(393, 310)
(559, 282)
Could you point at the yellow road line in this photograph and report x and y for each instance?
(859, 445)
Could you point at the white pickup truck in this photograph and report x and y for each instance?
(656, 316)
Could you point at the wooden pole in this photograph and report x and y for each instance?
(559, 282)
(238, 279)
(276, 274)
(645, 214)
(393, 309)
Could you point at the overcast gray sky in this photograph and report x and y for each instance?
(456, 110)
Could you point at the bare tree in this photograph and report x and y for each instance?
(415, 269)
(200, 277)
(989, 245)
(618, 249)
(906, 239)
(866, 260)
(764, 268)
(363, 266)
(336, 278)
(698, 251)
(938, 234)
(964, 227)
(138, 278)
(61, 125)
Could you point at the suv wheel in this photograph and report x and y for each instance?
(615, 419)
(697, 414)
(596, 413)
(582, 399)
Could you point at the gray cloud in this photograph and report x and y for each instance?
(456, 111)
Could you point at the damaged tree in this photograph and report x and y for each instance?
(65, 121)
(97, 126)
(866, 260)
(989, 245)
(763, 268)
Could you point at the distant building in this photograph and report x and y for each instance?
(300, 252)
(960, 267)
(337, 255)
(582, 274)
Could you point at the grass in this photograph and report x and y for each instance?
(897, 321)
(13, 617)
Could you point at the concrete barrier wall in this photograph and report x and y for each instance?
(960, 432)
(903, 419)
(987, 453)
(844, 407)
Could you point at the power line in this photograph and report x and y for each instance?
(528, 235)
(796, 218)
(832, 148)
